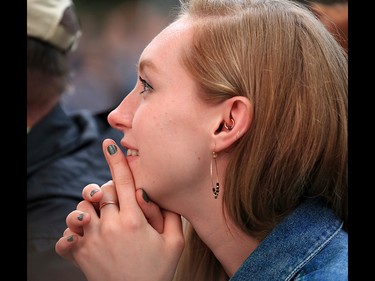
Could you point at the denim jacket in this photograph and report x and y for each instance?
(309, 244)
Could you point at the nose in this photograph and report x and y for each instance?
(121, 117)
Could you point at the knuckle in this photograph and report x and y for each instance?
(177, 242)
(81, 205)
(132, 223)
(109, 229)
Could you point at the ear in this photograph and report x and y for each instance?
(237, 114)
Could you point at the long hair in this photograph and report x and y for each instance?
(293, 71)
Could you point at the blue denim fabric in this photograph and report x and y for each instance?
(309, 244)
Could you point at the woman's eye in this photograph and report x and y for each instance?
(146, 87)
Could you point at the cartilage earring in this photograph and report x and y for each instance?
(215, 187)
(229, 127)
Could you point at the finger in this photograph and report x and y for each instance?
(92, 192)
(151, 211)
(76, 220)
(109, 201)
(173, 230)
(90, 211)
(121, 175)
(65, 245)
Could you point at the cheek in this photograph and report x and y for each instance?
(173, 150)
(151, 126)
(165, 123)
(172, 171)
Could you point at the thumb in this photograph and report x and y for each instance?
(173, 231)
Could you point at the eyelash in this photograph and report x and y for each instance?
(146, 87)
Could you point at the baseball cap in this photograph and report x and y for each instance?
(54, 22)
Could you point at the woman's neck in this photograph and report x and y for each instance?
(229, 244)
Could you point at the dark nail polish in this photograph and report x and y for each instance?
(69, 238)
(93, 192)
(145, 196)
(112, 149)
(80, 216)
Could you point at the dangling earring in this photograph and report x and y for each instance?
(215, 188)
(231, 126)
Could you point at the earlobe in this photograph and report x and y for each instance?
(238, 113)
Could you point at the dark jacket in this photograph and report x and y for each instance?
(64, 154)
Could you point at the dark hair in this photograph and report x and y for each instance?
(44, 57)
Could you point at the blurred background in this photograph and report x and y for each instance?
(115, 33)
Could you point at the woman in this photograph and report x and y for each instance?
(238, 124)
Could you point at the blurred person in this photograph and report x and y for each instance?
(334, 14)
(63, 151)
(105, 61)
(237, 157)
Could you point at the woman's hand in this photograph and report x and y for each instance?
(128, 241)
(106, 193)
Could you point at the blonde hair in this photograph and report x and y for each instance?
(279, 56)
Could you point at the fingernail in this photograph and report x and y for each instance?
(93, 192)
(112, 149)
(70, 238)
(145, 196)
(80, 216)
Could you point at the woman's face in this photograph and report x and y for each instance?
(166, 126)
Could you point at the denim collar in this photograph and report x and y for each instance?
(292, 243)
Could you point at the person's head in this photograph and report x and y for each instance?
(334, 15)
(263, 85)
(53, 31)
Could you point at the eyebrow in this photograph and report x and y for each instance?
(147, 64)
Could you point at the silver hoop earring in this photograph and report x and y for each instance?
(215, 187)
(231, 126)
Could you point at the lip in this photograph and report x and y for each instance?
(131, 159)
(127, 146)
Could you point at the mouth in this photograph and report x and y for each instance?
(132, 152)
